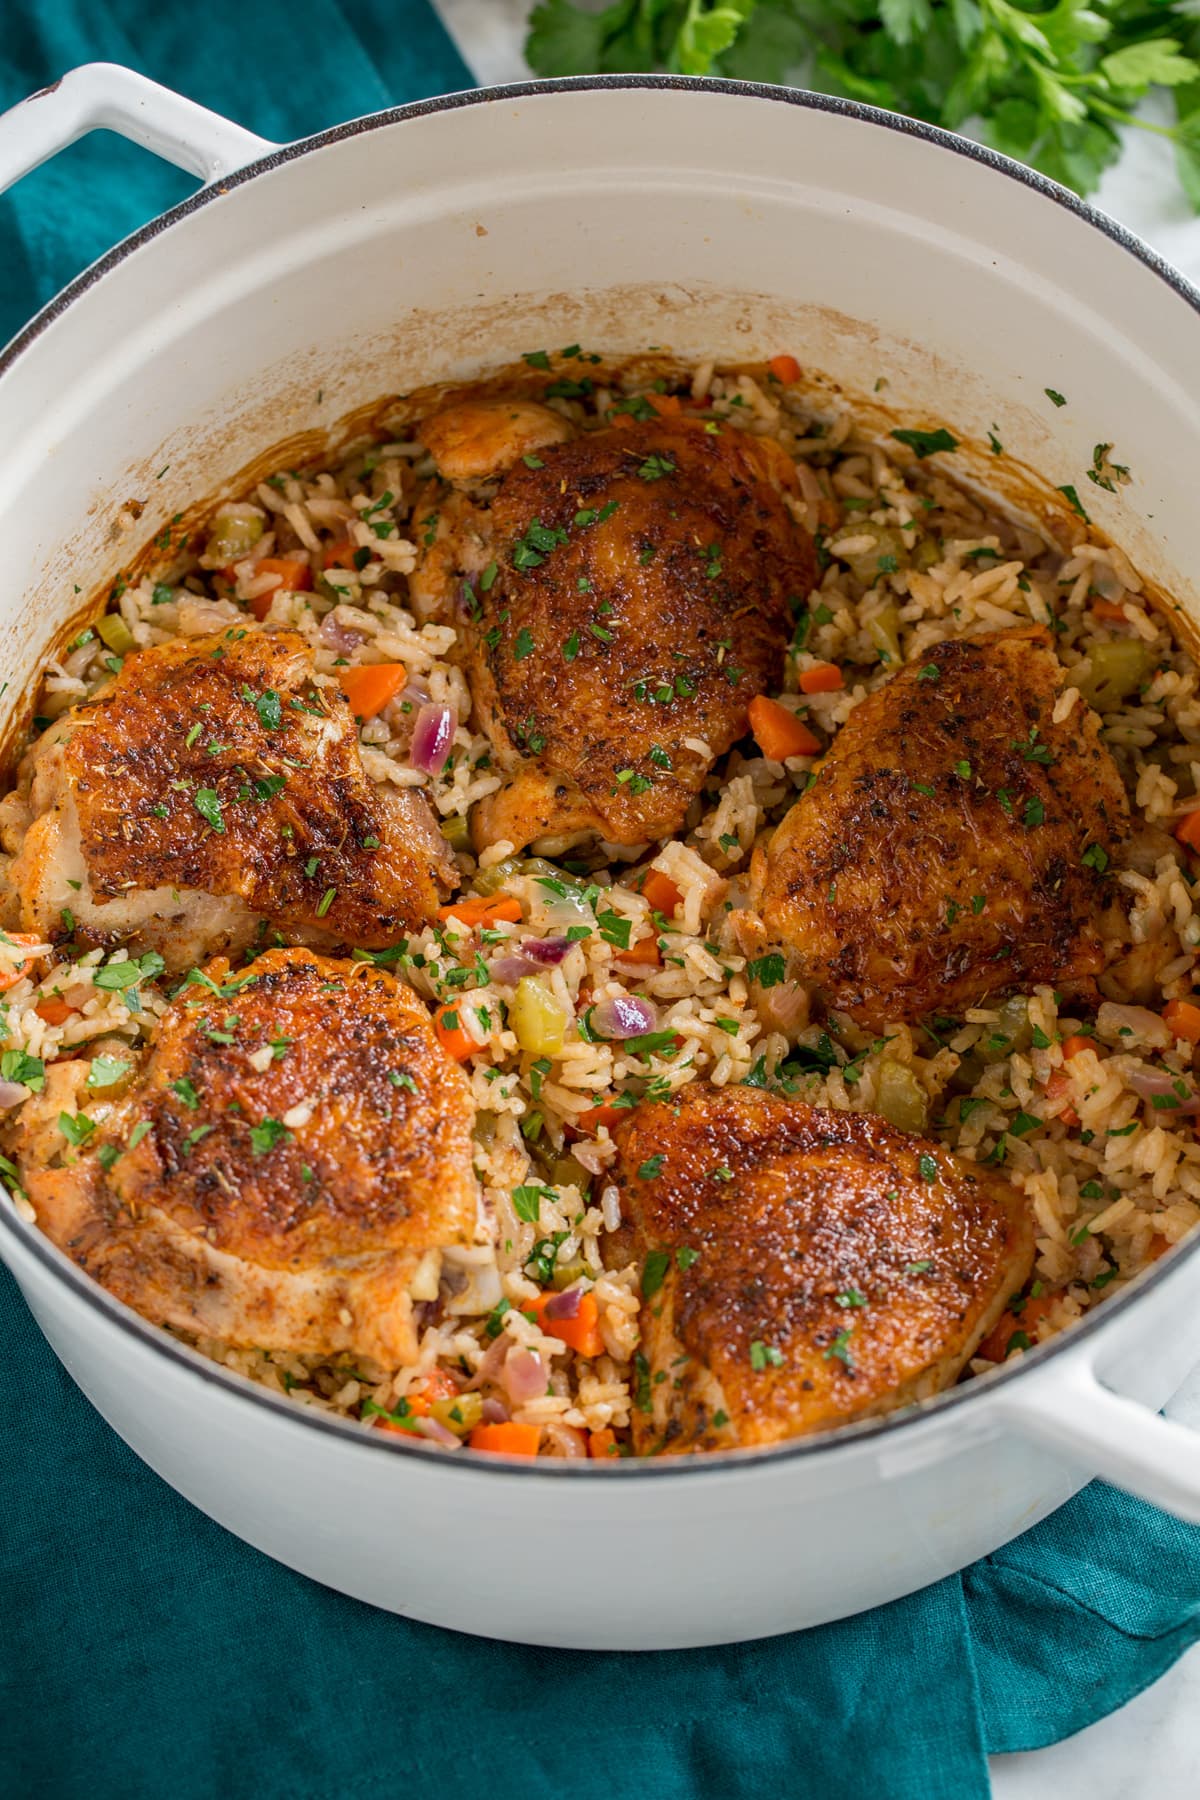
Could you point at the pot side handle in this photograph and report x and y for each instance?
(1071, 1412)
(108, 97)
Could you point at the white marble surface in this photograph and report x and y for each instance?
(1150, 1750)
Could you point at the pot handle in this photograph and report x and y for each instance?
(1071, 1412)
(105, 96)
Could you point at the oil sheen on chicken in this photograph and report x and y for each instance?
(293, 1146)
(802, 1268)
(213, 784)
(621, 598)
(956, 843)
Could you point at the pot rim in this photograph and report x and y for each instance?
(730, 1463)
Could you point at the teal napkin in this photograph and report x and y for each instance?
(144, 1652)
(282, 68)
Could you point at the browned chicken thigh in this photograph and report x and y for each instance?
(802, 1268)
(955, 843)
(621, 598)
(294, 1144)
(213, 784)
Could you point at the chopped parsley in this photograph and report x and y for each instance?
(767, 971)
(265, 1136)
(762, 1354)
(926, 443)
(651, 1167)
(208, 805)
(654, 1272)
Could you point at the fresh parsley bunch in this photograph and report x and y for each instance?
(1050, 85)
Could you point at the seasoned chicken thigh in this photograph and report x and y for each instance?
(802, 1268)
(955, 842)
(621, 599)
(294, 1144)
(213, 784)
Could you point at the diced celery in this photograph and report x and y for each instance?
(537, 1018)
(884, 632)
(235, 531)
(460, 1414)
(887, 553)
(900, 1097)
(566, 1172)
(1113, 671)
(490, 881)
(115, 633)
(456, 831)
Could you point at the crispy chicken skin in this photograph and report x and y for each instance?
(219, 1218)
(841, 1268)
(214, 783)
(476, 438)
(628, 592)
(939, 857)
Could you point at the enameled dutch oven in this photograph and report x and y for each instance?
(714, 218)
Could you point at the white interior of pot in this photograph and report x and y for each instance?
(705, 223)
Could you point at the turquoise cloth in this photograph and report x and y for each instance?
(144, 1652)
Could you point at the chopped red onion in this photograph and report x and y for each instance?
(495, 1412)
(511, 969)
(784, 1008)
(565, 1440)
(416, 691)
(433, 734)
(524, 1375)
(436, 1432)
(624, 1016)
(1160, 1084)
(566, 1304)
(339, 637)
(549, 952)
(1119, 1024)
(11, 1094)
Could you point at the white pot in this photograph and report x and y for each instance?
(430, 241)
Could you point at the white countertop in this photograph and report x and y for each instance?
(1150, 1750)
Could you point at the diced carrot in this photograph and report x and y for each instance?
(53, 1011)
(1058, 1083)
(822, 678)
(780, 734)
(454, 1040)
(11, 972)
(664, 404)
(1111, 610)
(785, 369)
(1159, 1245)
(370, 686)
(439, 1384)
(644, 954)
(995, 1344)
(581, 1333)
(507, 1439)
(1073, 1045)
(339, 555)
(1183, 1018)
(661, 892)
(483, 910)
(1187, 830)
(603, 1114)
(602, 1443)
(295, 576)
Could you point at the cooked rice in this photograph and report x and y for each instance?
(1108, 1195)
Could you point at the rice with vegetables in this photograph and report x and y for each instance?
(575, 985)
